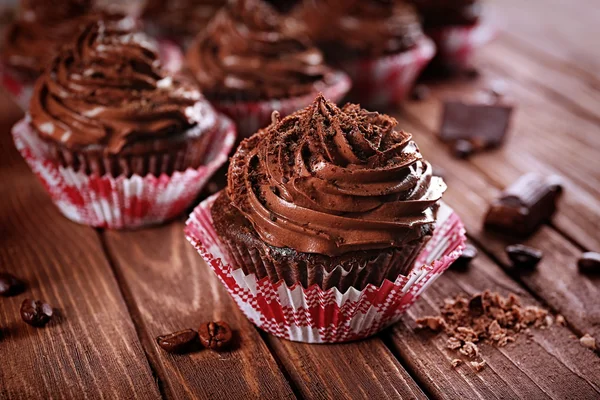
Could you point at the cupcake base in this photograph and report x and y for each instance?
(378, 84)
(314, 315)
(250, 116)
(123, 201)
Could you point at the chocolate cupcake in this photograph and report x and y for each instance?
(379, 43)
(106, 109)
(180, 20)
(328, 196)
(251, 61)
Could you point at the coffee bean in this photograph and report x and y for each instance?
(178, 342)
(524, 256)
(215, 335)
(10, 285)
(419, 93)
(589, 262)
(463, 149)
(35, 312)
(468, 254)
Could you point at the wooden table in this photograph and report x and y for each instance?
(116, 291)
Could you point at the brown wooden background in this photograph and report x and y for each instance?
(116, 291)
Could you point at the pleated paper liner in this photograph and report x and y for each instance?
(123, 201)
(314, 315)
(21, 89)
(381, 83)
(456, 45)
(250, 116)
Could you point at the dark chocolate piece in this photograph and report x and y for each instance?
(524, 205)
(524, 256)
(468, 254)
(36, 313)
(589, 262)
(178, 342)
(419, 93)
(215, 335)
(484, 125)
(10, 285)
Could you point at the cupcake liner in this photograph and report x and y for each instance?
(21, 89)
(249, 117)
(457, 44)
(314, 315)
(385, 82)
(120, 202)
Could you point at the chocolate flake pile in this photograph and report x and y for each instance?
(485, 317)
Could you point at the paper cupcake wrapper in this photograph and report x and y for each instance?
(313, 315)
(457, 44)
(120, 202)
(249, 117)
(21, 90)
(385, 82)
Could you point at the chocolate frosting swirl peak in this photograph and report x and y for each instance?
(109, 89)
(251, 52)
(327, 180)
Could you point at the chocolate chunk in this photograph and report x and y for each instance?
(10, 285)
(178, 342)
(476, 305)
(463, 149)
(524, 205)
(36, 313)
(589, 262)
(468, 254)
(524, 256)
(483, 125)
(419, 93)
(215, 335)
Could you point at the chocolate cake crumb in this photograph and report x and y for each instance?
(485, 317)
(456, 362)
(478, 366)
(588, 341)
(560, 320)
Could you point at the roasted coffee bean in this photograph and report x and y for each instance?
(419, 93)
(463, 149)
(468, 254)
(215, 335)
(589, 262)
(10, 285)
(178, 342)
(524, 256)
(35, 312)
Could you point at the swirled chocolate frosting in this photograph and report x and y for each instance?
(249, 52)
(329, 181)
(436, 13)
(33, 40)
(351, 28)
(182, 17)
(109, 89)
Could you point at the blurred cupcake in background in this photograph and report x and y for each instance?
(379, 43)
(34, 38)
(457, 27)
(179, 20)
(251, 61)
(117, 140)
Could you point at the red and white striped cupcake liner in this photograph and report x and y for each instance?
(386, 81)
(121, 202)
(313, 315)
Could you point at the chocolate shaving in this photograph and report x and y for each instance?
(486, 317)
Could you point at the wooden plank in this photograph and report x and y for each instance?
(91, 347)
(552, 364)
(170, 288)
(360, 370)
(556, 279)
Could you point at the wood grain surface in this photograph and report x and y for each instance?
(90, 348)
